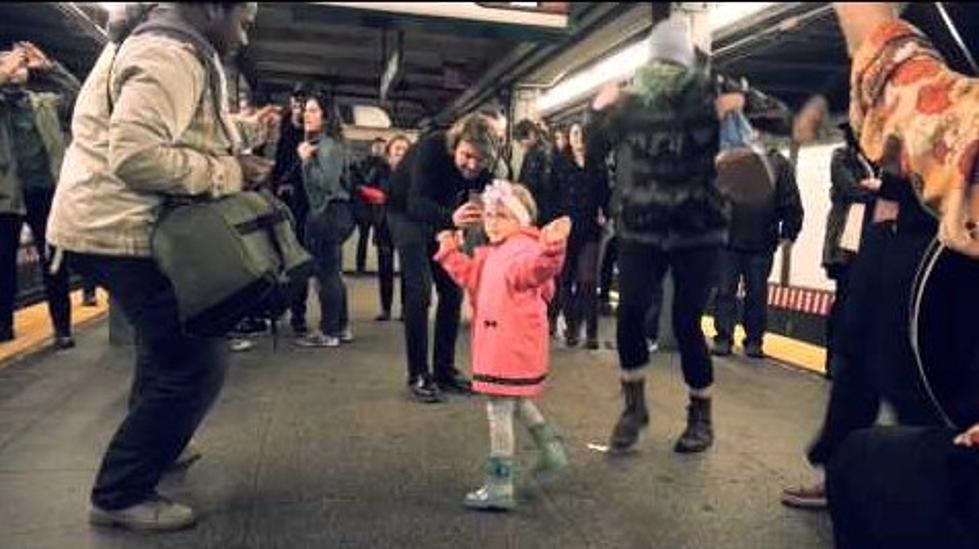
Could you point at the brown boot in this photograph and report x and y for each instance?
(634, 418)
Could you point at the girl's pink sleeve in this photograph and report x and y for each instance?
(461, 267)
(537, 268)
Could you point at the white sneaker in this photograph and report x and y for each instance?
(318, 340)
(346, 336)
(653, 345)
(241, 345)
(157, 514)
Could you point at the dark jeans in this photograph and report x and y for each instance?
(326, 234)
(873, 358)
(609, 259)
(840, 274)
(653, 314)
(641, 270)
(38, 205)
(578, 297)
(176, 380)
(385, 259)
(903, 488)
(418, 272)
(300, 297)
(365, 220)
(754, 269)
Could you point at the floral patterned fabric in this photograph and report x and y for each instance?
(910, 110)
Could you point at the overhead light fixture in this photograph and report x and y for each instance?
(725, 14)
(626, 62)
(618, 66)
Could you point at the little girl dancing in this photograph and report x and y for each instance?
(510, 281)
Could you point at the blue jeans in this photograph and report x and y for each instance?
(176, 380)
(754, 268)
(326, 232)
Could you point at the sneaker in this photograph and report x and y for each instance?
(250, 326)
(721, 348)
(424, 391)
(806, 497)
(346, 336)
(383, 317)
(592, 345)
(456, 383)
(652, 345)
(157, 514)
(241, 345)
(63, 343)
(753, 350)
(318, 341)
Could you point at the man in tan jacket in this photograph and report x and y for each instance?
(151, 122)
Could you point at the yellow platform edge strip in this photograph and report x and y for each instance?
(783, 349)
(32, 326)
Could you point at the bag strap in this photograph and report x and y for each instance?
(205, 53)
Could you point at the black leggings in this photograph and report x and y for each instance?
(579, 296)
(641, 271)
(385, 259)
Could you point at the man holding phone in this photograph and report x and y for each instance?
(426, 197)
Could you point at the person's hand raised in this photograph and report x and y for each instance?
(36, 59)
(556, 231)
(255, 169)
(467, 215)
(306, 150)
(448, 241)
(11, 63)
(608, 96)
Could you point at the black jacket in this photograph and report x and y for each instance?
(665, 146)
(425, 190)
(581, 194)
(758, 230)
(846, 172)
(535, 174)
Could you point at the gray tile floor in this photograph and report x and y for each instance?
(321, 448)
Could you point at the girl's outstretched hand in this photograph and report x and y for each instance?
(556, 231)
(448, 241)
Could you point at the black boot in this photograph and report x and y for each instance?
(634, 418)
(699, 434)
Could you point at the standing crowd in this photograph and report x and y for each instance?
(664, 175)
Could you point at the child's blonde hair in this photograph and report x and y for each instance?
(526, 198)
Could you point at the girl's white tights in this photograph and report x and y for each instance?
(500, 411)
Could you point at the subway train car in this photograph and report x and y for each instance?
(318, 447)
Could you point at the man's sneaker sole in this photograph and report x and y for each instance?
(106, 519)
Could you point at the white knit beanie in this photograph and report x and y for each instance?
(670, 40)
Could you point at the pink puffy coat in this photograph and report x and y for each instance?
(509, 285)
